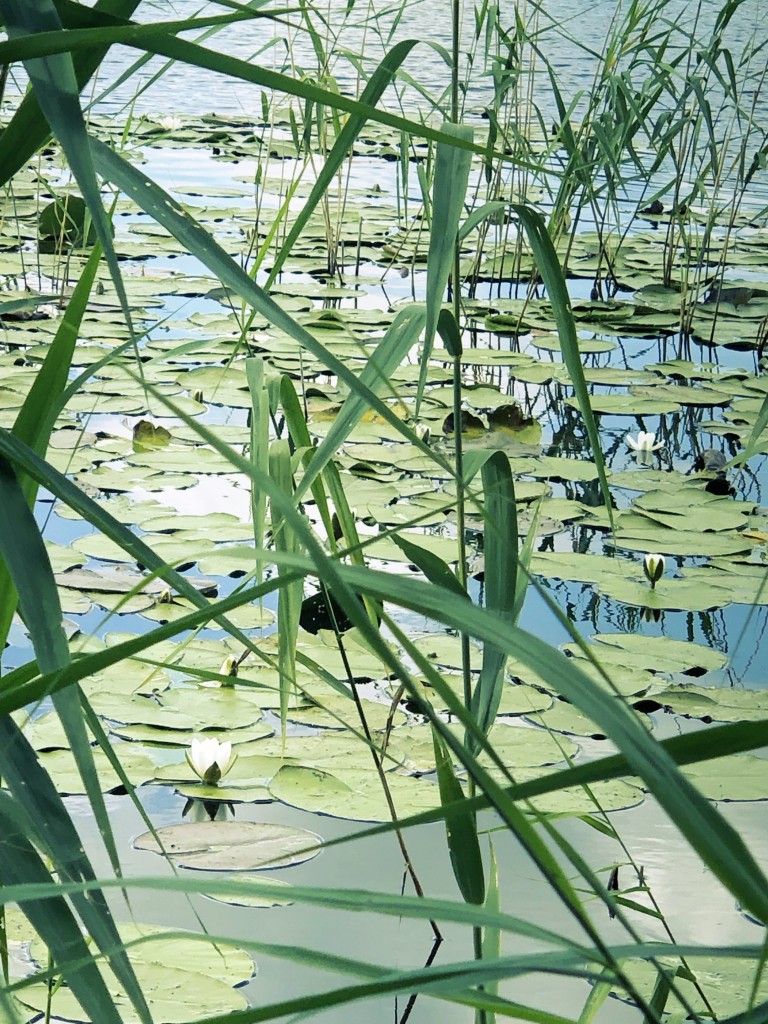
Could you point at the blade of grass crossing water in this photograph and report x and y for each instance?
(449, 193)
(259, 416)
(37, 415)
(330, 477)
(552, 276)
(500, 546)
(290, 594)
(492, 933)
(374, 379)
(598, 994)
(460, 829)
(51, 917)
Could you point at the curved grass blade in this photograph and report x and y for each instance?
(500, 548)
(398, 340)
(460, 828)
(290, 593)
(37, 415)
(552, 276)
(449, 192)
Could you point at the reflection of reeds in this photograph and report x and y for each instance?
(667, 116)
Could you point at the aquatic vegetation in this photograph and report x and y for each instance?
(328, 448)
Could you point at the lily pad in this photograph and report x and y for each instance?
(727, 982)
(179, 977)
(261, 900)
(232, 845)
(354, 794)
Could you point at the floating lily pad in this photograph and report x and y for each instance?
(605, 796)
(355, 794)
(179, 977)
(232, 845)
(727, 982)
(715, 704)
(248, 793)
(657, 653)
(61, 766)
(244, 898)
(738, 777)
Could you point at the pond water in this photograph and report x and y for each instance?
(236, 190)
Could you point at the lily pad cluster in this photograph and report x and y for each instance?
(680, 539)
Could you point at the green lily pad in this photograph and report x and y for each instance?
(638, 533)
(738, 777)
(727, 982)
(61, 766)
(179, 977)
(564, 717)
(261, 900)
(607, 796)
(354, 794)
(232, 845)
(253, 793)
(715, 704)
(656, 653)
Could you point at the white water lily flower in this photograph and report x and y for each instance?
(210, 760)
(645, 442)
(168, 123)
(653, 567)
(229, 668)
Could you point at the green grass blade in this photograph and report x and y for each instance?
(290, 594)
(254, 371)
(91, 511)
(552, 275)
(26, 559)
(37, 415)
(500, 546)
(435, 569)
(398, 340)
(449, 193)
(460, 829)
(492, 933)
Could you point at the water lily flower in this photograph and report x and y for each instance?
(210, 760)
(653, 567)
(422, 432)
(645, 442)
(168, 123)
(229, 667)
